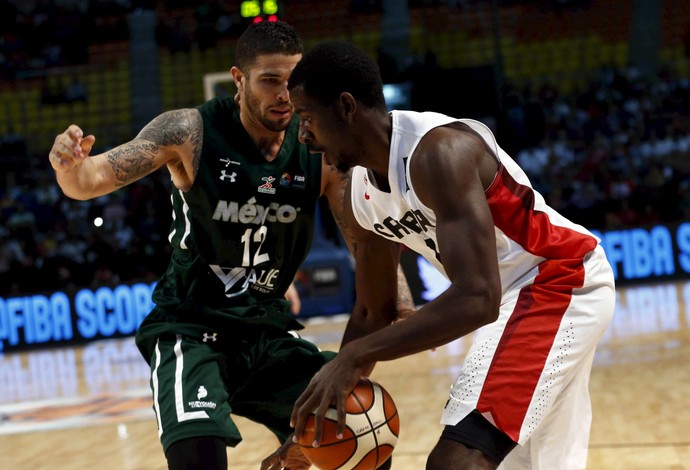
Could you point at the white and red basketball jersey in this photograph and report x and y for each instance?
(527, 372)
(527, 230)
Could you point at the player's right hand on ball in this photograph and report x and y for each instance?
(70, 149)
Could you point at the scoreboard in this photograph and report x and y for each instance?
(259, 10)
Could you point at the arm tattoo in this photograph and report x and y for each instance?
(175, 128)
(132, 161)
(171, 128)
(137, 158)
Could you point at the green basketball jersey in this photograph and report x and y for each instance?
(243, 229)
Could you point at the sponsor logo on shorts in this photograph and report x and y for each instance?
(200, 403)
(210, 337)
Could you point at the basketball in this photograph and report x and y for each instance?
(371, 431)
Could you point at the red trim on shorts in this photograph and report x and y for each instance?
(526, 342)
(530, 331)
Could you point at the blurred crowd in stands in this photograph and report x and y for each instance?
(613, 155)
(610, 156)
(38, 34)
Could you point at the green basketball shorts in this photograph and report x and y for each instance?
(200, 380)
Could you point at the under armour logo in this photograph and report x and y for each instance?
(224, 175)
(213, 337)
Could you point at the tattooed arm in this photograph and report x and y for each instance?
(174, 139)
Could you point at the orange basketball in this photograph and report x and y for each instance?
(372, 426)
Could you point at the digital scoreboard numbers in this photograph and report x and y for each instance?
(257, 10)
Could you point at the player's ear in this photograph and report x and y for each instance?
(237, 76)
(347, 105)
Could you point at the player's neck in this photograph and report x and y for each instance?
(270, 146)
(268, 142)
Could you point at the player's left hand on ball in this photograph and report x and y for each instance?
(328, 388)
(288, 456)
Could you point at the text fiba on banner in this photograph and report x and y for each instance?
(61, 317)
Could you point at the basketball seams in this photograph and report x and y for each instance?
(371, 431)
(374, 390)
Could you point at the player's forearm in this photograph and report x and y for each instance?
(362, 324)
(452, 315)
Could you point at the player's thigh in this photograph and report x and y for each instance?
(283, 369)
(473, 441)
(519, 365)
(562, 439)
(190, 397)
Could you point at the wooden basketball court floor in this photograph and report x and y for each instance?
(89, 407)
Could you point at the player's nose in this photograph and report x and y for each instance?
(284, 95)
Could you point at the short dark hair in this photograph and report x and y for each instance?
(266, 37)
(334, 67)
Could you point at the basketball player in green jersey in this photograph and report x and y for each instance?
(220, 339)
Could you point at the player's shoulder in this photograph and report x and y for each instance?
(451, 136)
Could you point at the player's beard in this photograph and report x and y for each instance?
(254, 107)
(343, 167)
(344, 162)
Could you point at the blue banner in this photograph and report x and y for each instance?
(61, 317)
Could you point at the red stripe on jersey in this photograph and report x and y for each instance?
(530, 331)
(512, 208)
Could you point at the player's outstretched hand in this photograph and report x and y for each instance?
(288, 457)
(70, 149)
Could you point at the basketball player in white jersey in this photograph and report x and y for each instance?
(535, 287)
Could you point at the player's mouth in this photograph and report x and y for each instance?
(282, 112)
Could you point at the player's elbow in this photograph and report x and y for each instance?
(491, 303)
(491, 310)
(74, 194)
(480, 304)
